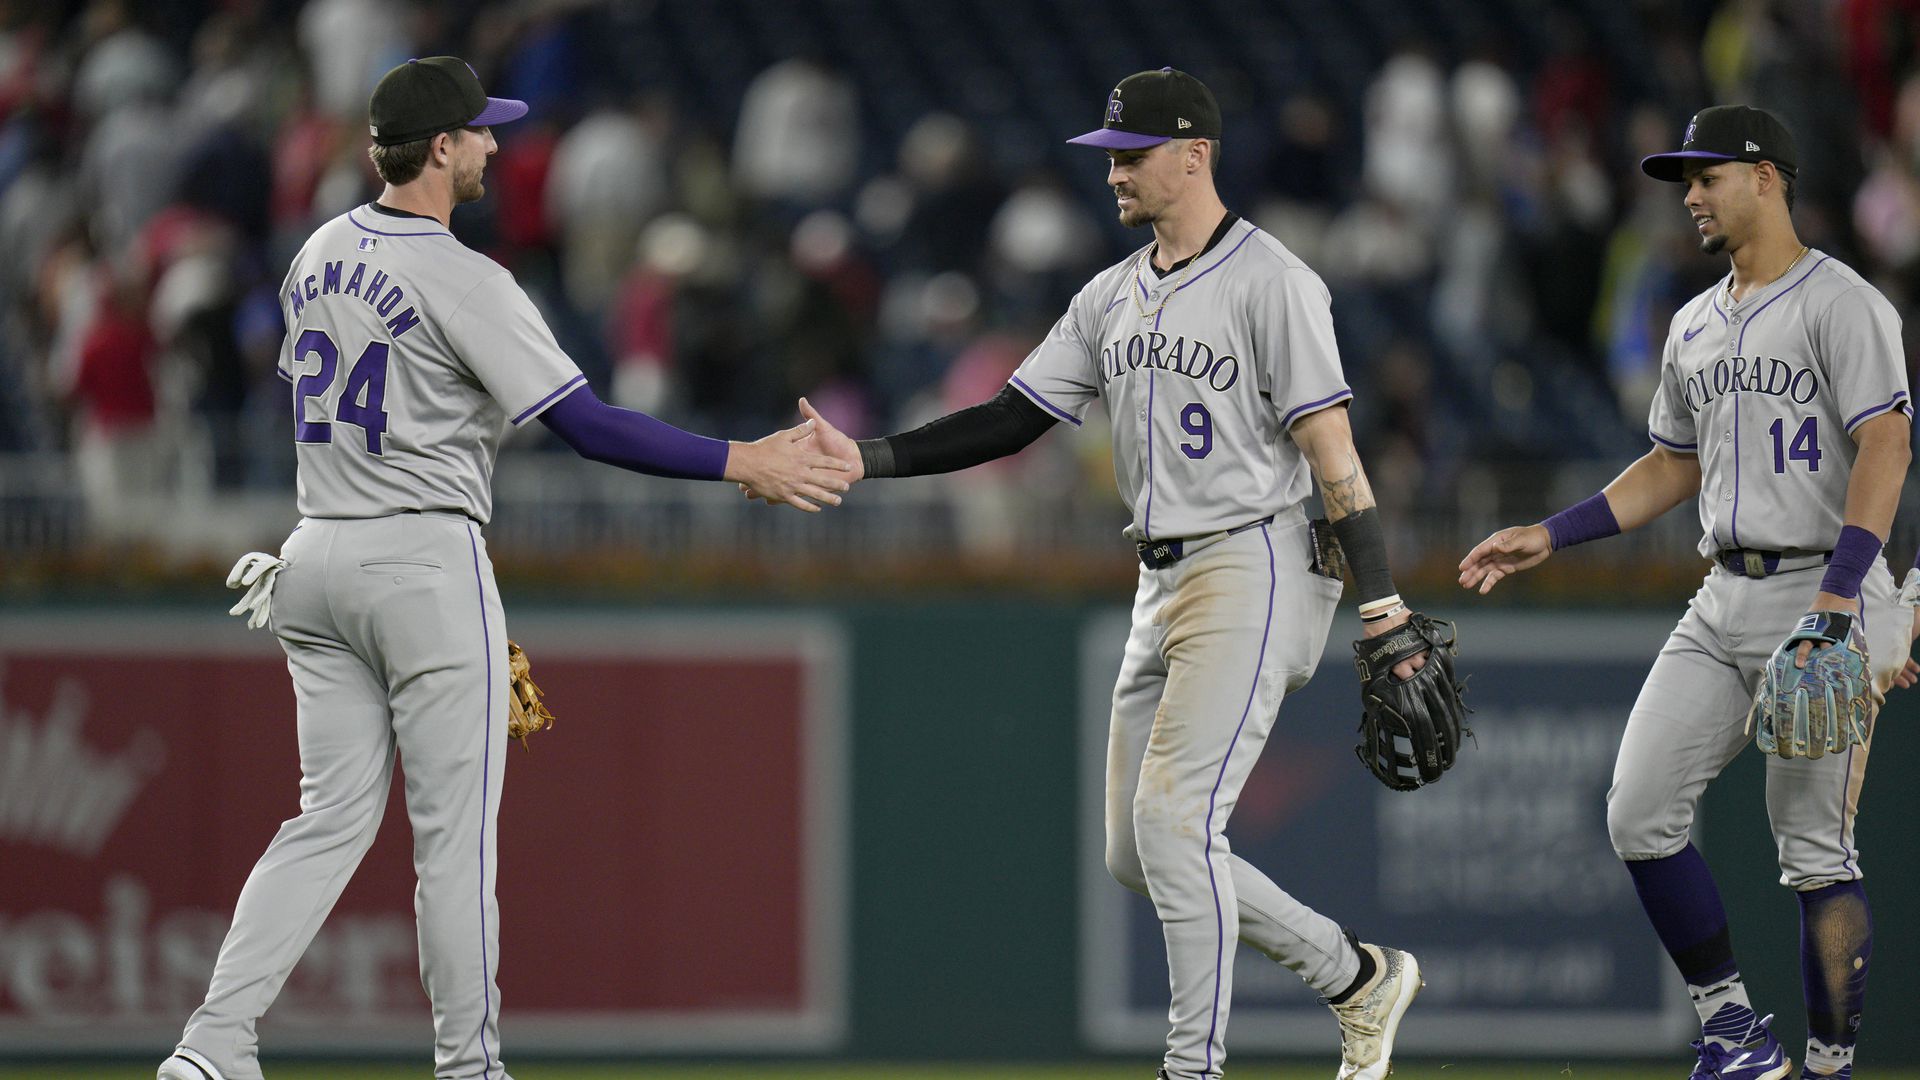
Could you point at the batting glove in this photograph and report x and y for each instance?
(255, 573)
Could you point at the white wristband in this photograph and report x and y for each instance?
(1375, 608)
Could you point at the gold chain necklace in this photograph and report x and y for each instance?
(1140, 264)
(1776, 277)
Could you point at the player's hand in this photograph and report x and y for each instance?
(833, 442)
(787, 467)
(1909, 672)
(1404, 669)
(828, 440)
(1825, 601)
(1504, 554)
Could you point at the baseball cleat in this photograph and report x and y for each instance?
(187, 1065)
(1369, 1020)
(1762, 1059)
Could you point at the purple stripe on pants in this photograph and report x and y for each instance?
(486, 766)
(1219, 919)
(1846, 786)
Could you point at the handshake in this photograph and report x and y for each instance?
(804, 466)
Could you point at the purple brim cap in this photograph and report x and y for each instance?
(499, 111)
(1115, 139)
(1669, 167)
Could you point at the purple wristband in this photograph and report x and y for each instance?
(1590, 519)
(1853, 556)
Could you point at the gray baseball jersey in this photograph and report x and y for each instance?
(1202, 372)
(409, 353)
(1768, 391)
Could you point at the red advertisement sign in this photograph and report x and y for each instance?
(671, 853)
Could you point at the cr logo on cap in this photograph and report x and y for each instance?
(1691, 124)
(1114, 105)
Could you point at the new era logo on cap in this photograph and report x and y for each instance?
(1752, 147)
(1183, 123)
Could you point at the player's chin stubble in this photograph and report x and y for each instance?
(1714, 245)
(468, 188)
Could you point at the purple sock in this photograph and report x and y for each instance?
(1684, 906)
(1836, 943)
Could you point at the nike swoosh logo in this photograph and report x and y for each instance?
(1693, 333)
(1744, 1058)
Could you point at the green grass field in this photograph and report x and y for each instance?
(536, 1071)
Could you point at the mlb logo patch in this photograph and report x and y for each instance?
(368, 243)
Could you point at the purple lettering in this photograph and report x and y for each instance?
(402, 322)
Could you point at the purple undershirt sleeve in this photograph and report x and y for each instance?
(633, 440)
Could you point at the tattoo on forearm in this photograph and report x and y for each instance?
(1343, 487)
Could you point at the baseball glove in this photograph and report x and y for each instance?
(1824, 707)
(526, 712)
(1410, 729)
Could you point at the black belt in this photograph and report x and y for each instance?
(1160, 554)
(1754, 563)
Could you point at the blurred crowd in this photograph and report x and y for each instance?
(723, 206)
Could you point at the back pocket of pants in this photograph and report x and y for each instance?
(400, 567)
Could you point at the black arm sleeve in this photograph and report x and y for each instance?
(1006, 424)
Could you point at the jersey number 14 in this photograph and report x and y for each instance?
(362, 401)
(1805, 446)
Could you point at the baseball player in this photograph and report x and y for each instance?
(1213, 350)
(1783, 408)
(407, 355)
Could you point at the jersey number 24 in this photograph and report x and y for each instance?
(362, 401)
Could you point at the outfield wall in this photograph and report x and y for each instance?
(869, 830)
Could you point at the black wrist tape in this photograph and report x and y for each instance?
(876, 457)
(1365, 543)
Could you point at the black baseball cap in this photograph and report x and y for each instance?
(1727, 133)
(426, 96)
(1150, 107)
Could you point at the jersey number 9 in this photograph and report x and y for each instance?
(362, 400)
(1195, 421)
